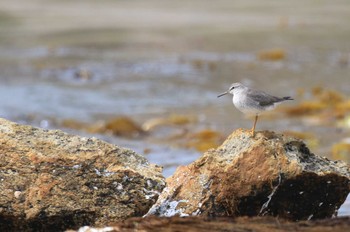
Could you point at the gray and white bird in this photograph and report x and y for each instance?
(252, 102)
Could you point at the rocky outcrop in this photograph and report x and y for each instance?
(269, 174)
(50, 180)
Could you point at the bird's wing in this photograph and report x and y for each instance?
(262, 98)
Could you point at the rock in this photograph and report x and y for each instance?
(50, 180)
(122, 126)
(242, 224)
(269, 174)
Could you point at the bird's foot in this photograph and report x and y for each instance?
(252, 133)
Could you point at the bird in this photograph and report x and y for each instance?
(252, 102)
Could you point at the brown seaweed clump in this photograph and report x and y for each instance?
(326, 106)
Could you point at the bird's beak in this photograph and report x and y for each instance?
(223, 94)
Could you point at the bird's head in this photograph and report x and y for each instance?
(233, 89)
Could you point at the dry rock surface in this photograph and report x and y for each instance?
(269, 174)
(51, 181)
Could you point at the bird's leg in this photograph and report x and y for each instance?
(253, 129)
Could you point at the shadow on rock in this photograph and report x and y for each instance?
(269, 174)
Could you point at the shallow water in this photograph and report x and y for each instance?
(160, 58)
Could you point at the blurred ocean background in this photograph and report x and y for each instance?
(146, 74)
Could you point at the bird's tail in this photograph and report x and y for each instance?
(287, 98)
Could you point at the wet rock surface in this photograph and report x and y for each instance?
(51, 181)
(269, 174)
(242, 224)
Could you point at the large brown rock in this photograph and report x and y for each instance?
(269, 174)
(50, 180)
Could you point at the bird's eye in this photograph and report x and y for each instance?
(232, 87)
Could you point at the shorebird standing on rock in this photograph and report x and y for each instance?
(252, 102)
